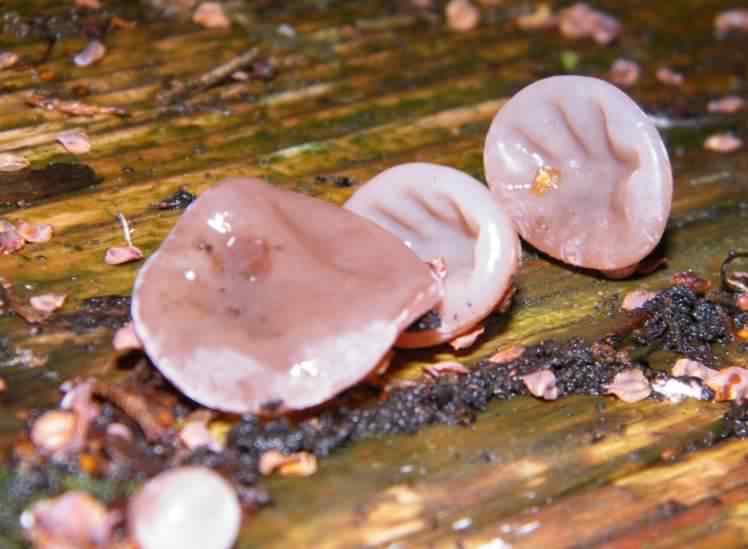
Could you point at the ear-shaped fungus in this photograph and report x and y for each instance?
(448, 218)
(264, 300)
(582, 172)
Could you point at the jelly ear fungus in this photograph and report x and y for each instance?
(453, 222)
(582, 172)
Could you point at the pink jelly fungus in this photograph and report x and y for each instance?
(582, 172)
(264, 300)
(442, 213)
(185, 508)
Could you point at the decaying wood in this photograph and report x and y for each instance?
(357, 91)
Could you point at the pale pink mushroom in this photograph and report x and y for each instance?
(185, 508)
(542, 384)
(462, 15)
(47, 303)
(731, 20)
(582, 172)
(211, 16)
(195, 432)
(53, 433)
(624, 73)
(264, 300)
(629, 385)
(669, 77)
(440, 212)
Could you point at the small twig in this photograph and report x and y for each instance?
(126, 230)
(135, 405)
(735, 283)
(180, 90)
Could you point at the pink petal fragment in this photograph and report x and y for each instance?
(75, 141)
(47, 303)
(185, 508)
(74, 519)
(462, 15)
(466, 340)
(211, 16)
(669, 77)
(117, 255)
(729, 104)
(731, 20)
(541, 18)
(729, 384)
(7, 59)
(629, 385)
(125, 339)
(10, 240)
(636, 299)
(692, 368)
(723, 143)
(34, 232)
(300, 464)
(624, 72)
(10, 162)
(448, 367)
(507, 354)
(92, 53)
(542, 384)
(581, 21)
(195, 433)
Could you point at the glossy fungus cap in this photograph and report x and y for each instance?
(582, 172)
(264, 300)
(446, 216)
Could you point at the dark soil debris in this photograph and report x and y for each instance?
(177, 201)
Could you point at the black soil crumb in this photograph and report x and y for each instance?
(429, 321)
(109, 311)
(177, 201)
(337, 180)
(683, 322)
(736, 420)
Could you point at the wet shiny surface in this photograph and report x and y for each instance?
(582, 171)
(264, 298)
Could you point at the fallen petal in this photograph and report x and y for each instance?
(74, 519)
(729, 104)
(624, 73)
(185, 508)
(195, 432)
(126, 339)
(10, 240)
(10, 162)
(442, 368)
(729, 384)
(685, 367)
(92, 53)
(300, 464)
(117, 255)
(34, 232)
(47, 303)
(636, 299)
(462, 15)
(723, 143)
(7, 59)
(542, 384)
(211, 16)
(731, 20)
(466, 340)
(75, 141)
(629, 385)
(507, 354)
(669, 77)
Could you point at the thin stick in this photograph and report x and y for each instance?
(127, 231)
(180, 90)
